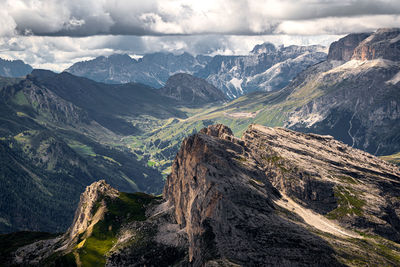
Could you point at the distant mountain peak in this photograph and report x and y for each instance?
(343, 49)
(264, 48)
(14, 68)
(383, 43)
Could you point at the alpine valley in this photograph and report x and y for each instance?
(283, 157)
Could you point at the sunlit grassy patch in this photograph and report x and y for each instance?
(348, 203)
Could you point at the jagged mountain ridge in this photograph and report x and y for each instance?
(269, 70)
(152, 69)
(274, 197)
(14, 68)
(266, 68)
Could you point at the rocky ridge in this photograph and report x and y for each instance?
(273, 197)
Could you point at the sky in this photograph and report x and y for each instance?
(53, 34)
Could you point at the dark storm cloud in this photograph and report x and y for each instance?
(179, 17)
(39, 31)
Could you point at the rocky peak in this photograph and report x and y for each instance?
(217, 130)
(265, 48)
(227, 195)
(86, 214)
(384, 43)
(121, 59)
(343, 49)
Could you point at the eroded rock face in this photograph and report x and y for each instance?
(85, 211)
(343, 49)
(225, 203)
(384, 43)
(321, 173)
(359, 95)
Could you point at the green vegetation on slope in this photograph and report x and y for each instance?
(124, 209)
(395, 158)
(349, 203)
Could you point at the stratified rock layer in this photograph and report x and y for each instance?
(343, 49)
(384, 43)
(224, 201)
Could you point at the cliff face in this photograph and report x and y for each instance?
(343, 49)
(84, 215)
(225, 204)
(384, 43)
(275, 197)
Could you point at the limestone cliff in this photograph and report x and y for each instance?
(384, 43)
(343, 49)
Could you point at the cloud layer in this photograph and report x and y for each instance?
(191, 17)
(56, 33)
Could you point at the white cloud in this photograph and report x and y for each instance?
(7, 24)
(58, 53)
(330, 25)
(45, 33)
(160, 17)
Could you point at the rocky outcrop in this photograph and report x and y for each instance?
(189, 90)
(225, 203)
(215, 175)
(90, 211)
(343, 49)
(384, 43)
(275, 197)
(85, 214)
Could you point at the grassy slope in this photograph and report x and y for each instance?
(92, 250)
(395, 158)
(45, 165)
(162, 138)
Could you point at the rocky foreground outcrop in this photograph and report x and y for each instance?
(275, 197)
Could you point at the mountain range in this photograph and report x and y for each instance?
(266, 68)
(60, 133)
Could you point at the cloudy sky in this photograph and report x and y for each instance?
(56, 33)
